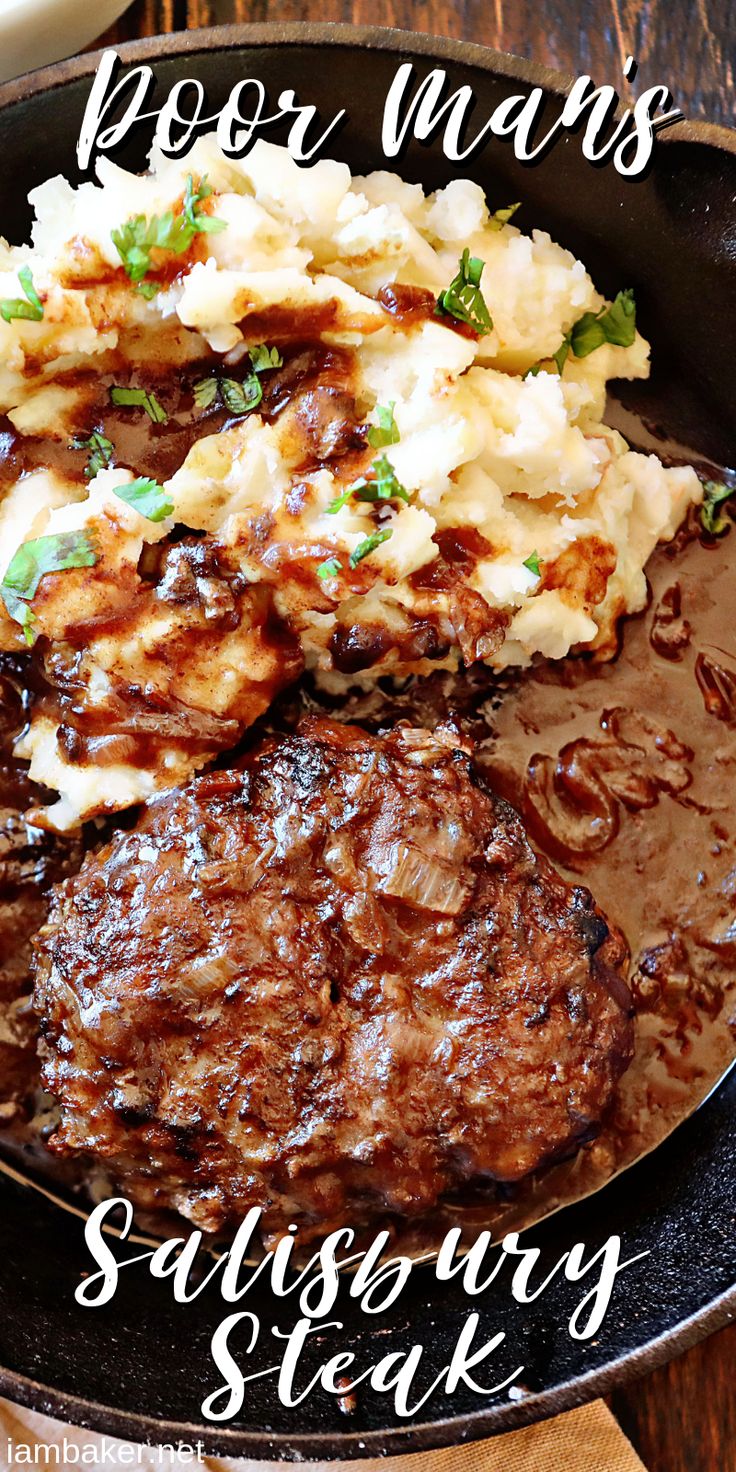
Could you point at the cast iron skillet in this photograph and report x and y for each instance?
(141, 1367)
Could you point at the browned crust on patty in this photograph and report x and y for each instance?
(336, 983)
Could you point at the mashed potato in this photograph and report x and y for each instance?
(484, 509)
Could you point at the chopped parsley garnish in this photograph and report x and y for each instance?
(240, 397)
(369, 545)
(386, 432)
(135, 240)
(330, 568)
(560, 357)
(341, 500)
(501, 217)
(32, 561)
(31, 308)
(99, 449)
(533, 563)
(147, 497)
(714, 495)
(139, 398)
(615, 324)
(533, 371)
(148, 289)
(463, 298)
(263, 357)
(205, 392)
(384, 487)
(198, 223)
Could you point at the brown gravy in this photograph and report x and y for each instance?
(313, 380)
(625, 773)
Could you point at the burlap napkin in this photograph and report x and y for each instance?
(586, 1440)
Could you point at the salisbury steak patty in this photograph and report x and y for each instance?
(334, 983)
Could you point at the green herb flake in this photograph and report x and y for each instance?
(533, 564)
(331, 568)
(199, 223)
(140, 235)
(100, 451)
(501, 217)
(342, 499)
(386, 432)
(238, 398)
(27, 620)
(533, 371)
(31, 309)
(463, 298)
(560, 357)
(139, 398)
(32, 561)
(262, 358)
(205, 392)
(193, 198)
(714, 495)
(148, 289)
(369, 545)
(147, 497)
(241, 398)
(615, 324)
(135, 240)
(385, 486)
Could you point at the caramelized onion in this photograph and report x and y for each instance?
(418, 879)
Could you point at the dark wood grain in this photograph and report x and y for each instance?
(690, 45)
(682, 1418)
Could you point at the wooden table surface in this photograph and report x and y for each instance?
(690, 45)
(682, 1418)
